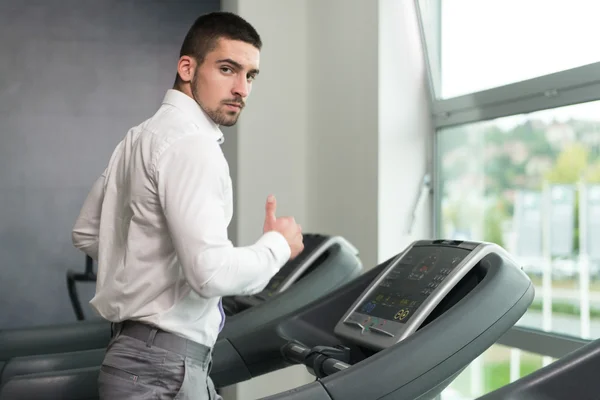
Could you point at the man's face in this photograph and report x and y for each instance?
(223, 82)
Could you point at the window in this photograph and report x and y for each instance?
(475, 45)
(516, 113)
(531, 183)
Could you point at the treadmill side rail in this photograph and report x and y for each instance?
(575, 376)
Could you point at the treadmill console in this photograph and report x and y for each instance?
(407, 291)
(315, 246)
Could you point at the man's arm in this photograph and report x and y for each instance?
(85, 231)
(191, 176)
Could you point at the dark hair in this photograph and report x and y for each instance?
(209, 28)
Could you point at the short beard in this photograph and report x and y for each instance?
(222, 118)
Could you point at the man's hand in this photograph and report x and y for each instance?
(287, 226)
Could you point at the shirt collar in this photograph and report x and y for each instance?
(190, 108)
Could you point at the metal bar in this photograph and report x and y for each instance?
(543, 86)
(545, 343)
(566, 97)
(89, 266)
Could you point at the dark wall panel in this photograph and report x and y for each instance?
(74, 77)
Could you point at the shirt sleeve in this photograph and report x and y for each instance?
(87, 226)
(191, 176)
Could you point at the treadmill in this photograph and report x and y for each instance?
(326, 263)
(402, 330)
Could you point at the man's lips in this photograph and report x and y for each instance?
(235, 106)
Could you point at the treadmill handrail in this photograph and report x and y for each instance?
(72, 278)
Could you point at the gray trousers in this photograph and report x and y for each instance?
(142, 362)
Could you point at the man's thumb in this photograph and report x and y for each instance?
(270, 209)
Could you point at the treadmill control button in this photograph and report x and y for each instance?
(379, 330)
(354, 323)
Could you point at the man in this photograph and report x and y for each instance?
(156, 221)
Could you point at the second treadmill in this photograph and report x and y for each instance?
(326, 263)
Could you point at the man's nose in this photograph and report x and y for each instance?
(241, 88)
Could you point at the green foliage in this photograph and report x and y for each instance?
(592, 174)
(518, 158)
(492, 224)
(497, 374)
(565, 309)
(571, 165)
(500, 168)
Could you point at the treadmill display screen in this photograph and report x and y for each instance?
(411, 281)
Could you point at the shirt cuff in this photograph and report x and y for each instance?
(280, 248)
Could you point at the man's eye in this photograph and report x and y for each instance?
(251, 78)
(226, 70)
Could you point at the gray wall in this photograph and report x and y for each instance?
(74, 77)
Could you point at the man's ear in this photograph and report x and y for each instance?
(185, 68)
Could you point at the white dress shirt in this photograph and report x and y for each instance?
(156, 221)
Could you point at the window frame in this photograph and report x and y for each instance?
(573, 86)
